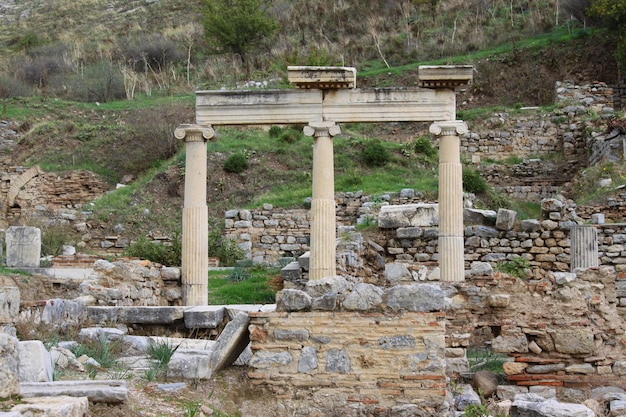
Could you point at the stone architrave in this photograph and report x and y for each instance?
(451, 249)
(23, 246)
(195, 261)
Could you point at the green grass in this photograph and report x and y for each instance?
(254, 290)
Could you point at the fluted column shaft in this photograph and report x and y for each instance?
(322, 261)
(584, 247)
(194, 263)
(451, 249)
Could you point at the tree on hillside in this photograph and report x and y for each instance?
(237, 26)
(613, 15)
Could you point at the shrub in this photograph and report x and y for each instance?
(289, 136)
(423, 146)
(236, 163)
(275, 131)
(169, 255)
(238, 275)
(374, 154)
(473, 182)
(101, 82)
(54, 237)
(155, 53)
(226, 250)
(516, 267)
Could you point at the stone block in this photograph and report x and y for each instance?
(304, 260)
(473, 217)
(505, 219)
(98, 314)
(396, 272)
(151, 315)
(35, 363)
(415, 297)
(408, 215)
(190, 364)
(231, 342)
(62, 406)
(573, 341)
(97, 391)
(9, 304)
(203, 317)
(335, 284)
(293, 300)
(9, 366)
(23, 246)
(291, 272)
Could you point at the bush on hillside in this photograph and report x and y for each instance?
(169, 255)
(473, 182)
(236, 163)
(100, 82)
(374, 154)
(226, 250)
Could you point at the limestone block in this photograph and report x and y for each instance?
(293, 300)
(508, 392)
(62, 406)
(396, 272)
(291, 272)
(337, 360)
(169, 273)
(581, 368)
(203, 317)
(265, 359)
(326, 302)
(96, 333)
(473, 217)
(308, 359)
(151, 315)
(465, 396)
(550, 407)
(545, 369)
(62, 313)
(96, 390)
(514, 368)
(415, 297)
(35, 362)
(481, 231)
(619, 368)
(364, 297)
(499, 300)
(478, 268)
(409, 215)
(190, 364)
(9, 304)
(231, 342)
(335, 284)
(506, 219)
(9, 366)
(530, 225)
(23, 246)
(573, 340)
(510, 344)
(542, 391)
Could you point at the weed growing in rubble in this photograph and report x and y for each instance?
(517, 267)
(162, 351)
(191, 408)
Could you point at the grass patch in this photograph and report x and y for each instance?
(252, 290)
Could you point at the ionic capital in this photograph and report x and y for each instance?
(194, 133)
(324, 128)
(451, 128)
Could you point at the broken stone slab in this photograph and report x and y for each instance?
(472, 217)
(203, 317)
(364, 297)
(291, 272)
(408, 215)
(293, 300)
(35, 362)
(62, 313)
(532, 405)
(97, 333)
(304, 260)
(150, 315)
(9, 304)
(9, 366)
(103, 391)
(231, 343)
(23, 246)
(63, 406)
(335, 284)
(505, 219)
(396, 272)
(99, 314)
(234, 309)
(190, 364)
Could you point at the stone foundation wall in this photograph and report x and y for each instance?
(351, 362)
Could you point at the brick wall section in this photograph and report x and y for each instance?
(348, 360)
(558, 333)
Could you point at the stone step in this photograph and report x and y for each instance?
(108, 391)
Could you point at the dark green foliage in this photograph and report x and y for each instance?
(237, 26)
(516, 267)
(275, 131)
(290, 136)
(169, 255)
(473, 182)
(226, 250)
(423, 146)
(236, 163)
(374, 154)
(53, 238)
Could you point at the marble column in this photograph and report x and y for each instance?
(451, 250)
(322, 261)
(195, 267)
(584, 247)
